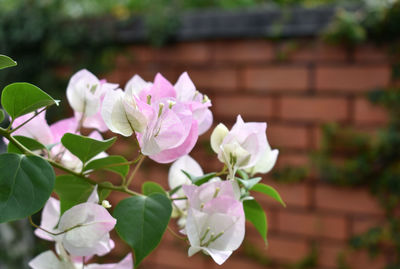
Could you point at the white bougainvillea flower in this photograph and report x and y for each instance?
(84, 92)
(215, 223)
(198, 103)
(88, 226)
(242, 146)
(124, 113)
(49, 260)
(92, 224)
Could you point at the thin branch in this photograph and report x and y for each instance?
(141, 159)
(175, 234)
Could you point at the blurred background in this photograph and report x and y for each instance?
(324, 75)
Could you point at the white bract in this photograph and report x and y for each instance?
(215, 222)
(242, 146)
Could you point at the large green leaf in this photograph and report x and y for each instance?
(115, 164)
(6, 61)
(268, 190)
(72, 191)
(28, 142)
(26, 183)
(2, 115)
(152, 187)
(22, 98)
(85, 148)
(141, 222)
(256, 215)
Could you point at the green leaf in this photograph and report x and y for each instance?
(256, 215)
(152, 187)
(26, 183)
(85, 148)
(141, 222)
(201, 179)
(249, 183)
(22, 98)
(72, 191)
(110, 163)
(28, 142)
(6, 61)
(2, 115)
(268, 190)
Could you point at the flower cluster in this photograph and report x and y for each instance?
(165, 121)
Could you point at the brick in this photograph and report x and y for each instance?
(314, 109)
(292, 159)
(371, 53)
(287, 78)
(244, 51)
(185, 52)
(223, 79)
(328, 254)
(312, 225)
(294, 195)
(313, 52)
(352, 78)
(250, 108)
(287, 136)
(168, 256)
(350, 200)
(281, 248)
(362, 225)
(367, 113)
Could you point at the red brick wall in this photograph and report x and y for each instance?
(295, 86)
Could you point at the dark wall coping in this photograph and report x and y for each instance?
(266, 22)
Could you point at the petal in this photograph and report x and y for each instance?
(171, 155)
(50, 218)
(48, 260)
(94, 196)
(135, 85)
(185, 89)
(37, 128)
(61, 127)
(81, 91)
(206, 122)
(218, 136)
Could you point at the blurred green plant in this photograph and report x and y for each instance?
(374, 20)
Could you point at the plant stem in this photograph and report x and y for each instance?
(175, 234)
(141, 159)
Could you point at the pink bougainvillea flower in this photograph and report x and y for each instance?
(242, 146)
(37, 128)
(126, 263)
(215, 223)
(198, 103)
